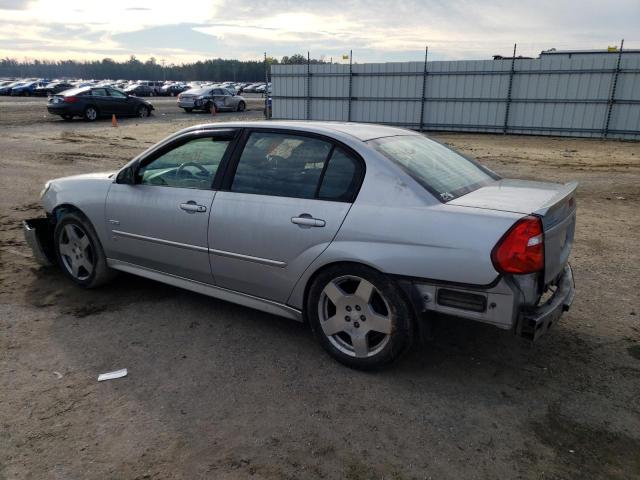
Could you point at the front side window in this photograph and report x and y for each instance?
(280, 164)
(191, 165)
(440, 170)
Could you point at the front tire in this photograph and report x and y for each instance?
(143, 111)
(241, 107)
(360, 316)
(80, 253)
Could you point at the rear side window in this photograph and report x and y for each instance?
(341, 177)
(283, 165)
(289, 165)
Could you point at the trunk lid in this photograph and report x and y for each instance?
(554, 203)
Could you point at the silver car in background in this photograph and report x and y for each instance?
(366, 231)
(208, 98)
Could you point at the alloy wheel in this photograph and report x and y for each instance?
(355, 316)
(76, 251)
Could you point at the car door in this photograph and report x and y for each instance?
(158, 217)
(279, 210)
(120, 103)
(219, 98)
(101, 99)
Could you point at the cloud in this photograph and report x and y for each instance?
(14, 4)
(376, 30)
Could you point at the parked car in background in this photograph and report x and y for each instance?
(52, 88)
(25, 89)
(139, 90)
(252, 88)
(366, 231)
(6, 89)
(155, 86)
(173, 89)
(207, 99)
(91, 103)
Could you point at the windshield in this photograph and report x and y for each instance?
(439, 169)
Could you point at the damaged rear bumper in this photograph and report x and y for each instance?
(533, 323)
(39, 236)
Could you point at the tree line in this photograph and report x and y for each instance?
(133, 69)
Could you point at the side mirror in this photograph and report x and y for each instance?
(126, 176)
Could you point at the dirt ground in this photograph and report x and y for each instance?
(219, 391)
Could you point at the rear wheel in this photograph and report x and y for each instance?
(79, 252)
(359, 316)
(90, 113)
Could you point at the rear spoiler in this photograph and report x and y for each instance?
(558, 200)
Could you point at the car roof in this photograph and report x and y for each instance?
(361, 131)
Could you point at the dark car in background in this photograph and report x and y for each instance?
(6, 89)
(91, 103)
(173, 89)
(52, 88)
(26, 89)
(139, 91)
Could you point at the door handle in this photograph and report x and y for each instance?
(306, 220)
(192, 207)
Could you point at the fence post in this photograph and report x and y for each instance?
(267, 110)
(508, 106)
(612, 97)
(424, 87)
(308, 86)
(350, 84)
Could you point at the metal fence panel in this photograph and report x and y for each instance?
(579, 95)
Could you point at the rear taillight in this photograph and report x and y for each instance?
(70, 99)
(521, 249)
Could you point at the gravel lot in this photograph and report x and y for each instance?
(219, 391)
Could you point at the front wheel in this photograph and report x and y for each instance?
(79, 252)
(241, 107)
(143, 111)
(360, 316)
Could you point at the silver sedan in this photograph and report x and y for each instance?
(210, 98)
(368, 232)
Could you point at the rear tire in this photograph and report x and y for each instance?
(360, 316)
(80, 253)
(90, 113)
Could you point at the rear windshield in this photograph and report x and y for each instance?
(440, 170)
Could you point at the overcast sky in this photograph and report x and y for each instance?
(375, 30)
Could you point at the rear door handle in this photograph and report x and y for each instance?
(193, 207)
(306, 220)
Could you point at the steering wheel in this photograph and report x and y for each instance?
(191, 164)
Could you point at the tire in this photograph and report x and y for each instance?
(188, 110)
(80, 253)
(67, 118)
(143, 111)
(90, 113)
(208, 107)
(241, 107)
(360, 333)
